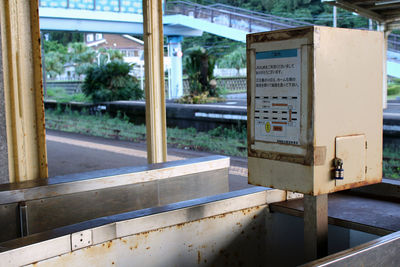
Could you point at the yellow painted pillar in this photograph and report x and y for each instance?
(154, 89)
(22, 73)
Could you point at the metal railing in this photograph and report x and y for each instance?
(246, 22)
(234, 17)
(133, 6)
(287, 21)
(394, 43)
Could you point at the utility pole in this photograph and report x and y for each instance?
(334, 16)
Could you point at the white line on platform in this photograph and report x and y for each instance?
(108, 148)
(392, 128)
(233, 170)
(220, 116)
(391, 114)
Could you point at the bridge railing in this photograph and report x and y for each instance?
(286, 21)
(132, 6)
(394, 42)
(224, 17)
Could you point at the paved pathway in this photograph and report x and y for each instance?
(73, 153)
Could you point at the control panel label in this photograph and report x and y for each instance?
(277, 96)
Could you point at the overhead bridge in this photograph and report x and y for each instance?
(181, 19)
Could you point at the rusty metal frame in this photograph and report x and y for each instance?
(23, 90)
(105, 230)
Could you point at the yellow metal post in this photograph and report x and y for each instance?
(23, 91)
(154, 73)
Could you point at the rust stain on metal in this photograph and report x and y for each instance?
(303, 160)
(319, 155)
(248, 210)
(279, 35)
(109, 244)
(198, 257)
(148, 248)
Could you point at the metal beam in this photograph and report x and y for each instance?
(354, 8)
(24, 107)
(61, 19)
(156, 130)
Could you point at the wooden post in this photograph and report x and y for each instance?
(23, 90)
(154, 88)
(3, 132)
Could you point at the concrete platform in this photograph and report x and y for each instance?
(75, 153)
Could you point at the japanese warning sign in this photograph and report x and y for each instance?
(277, 96)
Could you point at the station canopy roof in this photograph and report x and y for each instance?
(383, 11)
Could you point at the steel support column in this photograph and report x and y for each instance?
(175, 89)
(315, 226)
(154, 88)
(24, 107)
(383, 28)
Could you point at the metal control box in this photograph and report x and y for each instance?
(315, 108)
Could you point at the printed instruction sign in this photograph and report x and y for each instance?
(277, 96)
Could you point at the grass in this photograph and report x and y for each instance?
(61, 96)
(391, 161)
(393, 90)
(219, 140)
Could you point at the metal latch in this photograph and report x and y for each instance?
(338, 171)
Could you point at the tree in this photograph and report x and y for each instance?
(64, 38)
(82, 55)
(107, 55)
(111, 82)
(54, 62)
(54, 46)
(215, 45)
(199, 66)
(55, 56)
(235, 59)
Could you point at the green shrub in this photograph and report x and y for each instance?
(393, 89)
(199, 99)
(111, 82)
(58, 94)
(80, 97)
(199, 66)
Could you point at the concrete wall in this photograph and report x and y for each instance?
(3, 133)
